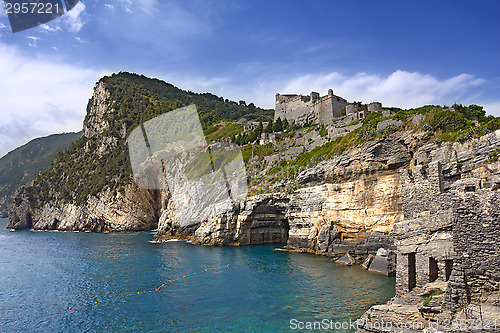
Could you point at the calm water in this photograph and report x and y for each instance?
(110, 282)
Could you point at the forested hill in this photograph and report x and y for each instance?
(131, 88)
(99, 160)
(20, 166)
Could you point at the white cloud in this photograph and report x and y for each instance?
(75, 18)
(145, 6)
(401, 88)
(492, 108)
(50, 28)
(40, 97)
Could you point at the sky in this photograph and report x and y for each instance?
(401, 53)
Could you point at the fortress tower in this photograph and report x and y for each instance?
(309, 109)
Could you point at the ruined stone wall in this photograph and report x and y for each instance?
(476, 277)
(294, 109)
(450, 199)
(301, 109)
(424, 238)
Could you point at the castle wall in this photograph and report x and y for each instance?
(294, 109)
(312, 108)
(351, 109)
(475, 277)
(375, 107)
(424, 239)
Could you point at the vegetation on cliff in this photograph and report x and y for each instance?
(20, 166)
(99, 161)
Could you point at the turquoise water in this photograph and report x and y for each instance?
(113, 283)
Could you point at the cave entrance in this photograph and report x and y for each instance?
(433, 269)
(412, 272)
(448, 266)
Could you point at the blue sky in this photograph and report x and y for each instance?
(401, 53)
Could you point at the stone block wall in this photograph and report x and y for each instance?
(476, 274)
(314, 109)
(424, 239)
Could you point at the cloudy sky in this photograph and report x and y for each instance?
(401, 53)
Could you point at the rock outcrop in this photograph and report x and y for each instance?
(447, 258)
(258, 220)
(135, 210)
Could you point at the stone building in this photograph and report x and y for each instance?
(309, 109)
(353, 111)
(250, 125)
(449, 235)
(424, 239)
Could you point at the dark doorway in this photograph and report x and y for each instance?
(448, 266)
(412, 273)
(433, 269)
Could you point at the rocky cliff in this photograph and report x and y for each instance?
(348, 203)
(20, 166)
(90, 186)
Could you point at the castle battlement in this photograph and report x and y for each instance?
(315, 109)
(311, 108)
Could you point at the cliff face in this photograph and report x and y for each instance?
(349, 203)
(321, 216)
(20, 166)
(131, 209)
(90, 186)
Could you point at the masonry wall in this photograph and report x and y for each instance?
(425, 236)
(294, 109)
(476, 274)
(302, 109)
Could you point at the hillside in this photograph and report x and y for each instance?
(97, 166)
(20, 166)
(90, 185)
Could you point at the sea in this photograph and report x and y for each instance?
(122, 282)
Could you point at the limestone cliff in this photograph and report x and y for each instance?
(128, 209)
(348, 203)
(90, 186)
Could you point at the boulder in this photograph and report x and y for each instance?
(326, 236)
(382, 265)
(382, 252)
(366, 264)
(346, 260)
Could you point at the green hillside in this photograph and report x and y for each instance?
(82, 171)
(88, 167)
(20, 166)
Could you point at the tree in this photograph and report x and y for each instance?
(278, 125)
(269, 127)
(286, 125)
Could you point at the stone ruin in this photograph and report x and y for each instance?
(309, 109)
(324, 110)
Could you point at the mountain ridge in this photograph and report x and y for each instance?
(20, 166)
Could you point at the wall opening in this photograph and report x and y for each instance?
(412, 272)
(448, 266)
(433, 269)
(470, 188)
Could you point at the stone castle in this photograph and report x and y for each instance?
(313, 108)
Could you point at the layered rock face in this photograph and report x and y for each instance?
(325, 217)
(135, 210)
(131, 209)
(258, 220)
